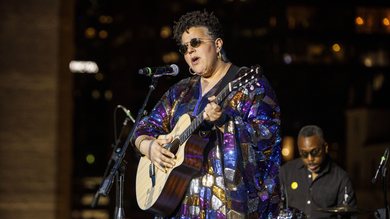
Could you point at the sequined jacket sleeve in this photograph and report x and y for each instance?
(255, 120)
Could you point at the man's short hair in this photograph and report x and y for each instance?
(311, 130)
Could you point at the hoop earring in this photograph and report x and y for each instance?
(191, 71)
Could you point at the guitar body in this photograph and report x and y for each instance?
(163, 194)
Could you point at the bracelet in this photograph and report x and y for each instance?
(140, 142)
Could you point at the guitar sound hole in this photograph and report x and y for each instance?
(175, 146)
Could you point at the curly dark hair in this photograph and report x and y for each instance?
(194, 19)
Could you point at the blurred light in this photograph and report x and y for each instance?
(273, 21)
(260, 32)
(378, 82)
(291, 22)
(95, 94)
(170, 57)
(105, 19)
(315, 49)
(285, 152)
(288, 148)
(90, 158)
(99, 76)
(103, 34)
(336, 47)
(83, 67)
(367, 61)
(386, 21)
(378, 57)
(287, 58)
(96, 214)
(300, 16)
(91, 182)
(88, 198)
(108, 95)
(165, 32)
(359, 21)
(90, 33)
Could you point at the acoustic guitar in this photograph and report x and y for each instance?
(161, 192)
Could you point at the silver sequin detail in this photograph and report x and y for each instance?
(194, 210)
(216, 202)
(208, 180)
(251, 154)
(229, 174)
(220, 182)
(235, 215)
(218, 153)
(195, 186)
(238, 120)
(223, 209)
(252, 205)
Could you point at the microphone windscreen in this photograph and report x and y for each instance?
(175, 69)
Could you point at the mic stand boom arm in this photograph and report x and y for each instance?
(119, 154)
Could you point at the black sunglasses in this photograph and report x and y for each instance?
(194, 43)
(314, 153)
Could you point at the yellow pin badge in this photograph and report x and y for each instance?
(294, 185)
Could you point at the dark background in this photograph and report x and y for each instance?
(292, 40)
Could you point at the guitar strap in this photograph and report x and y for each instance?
(230, 76)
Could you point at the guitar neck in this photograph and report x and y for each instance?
(199, 118)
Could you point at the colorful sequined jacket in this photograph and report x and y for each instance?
(248, 158)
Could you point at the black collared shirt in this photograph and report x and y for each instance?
(327, 190)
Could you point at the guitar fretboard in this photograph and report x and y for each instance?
(199, 118)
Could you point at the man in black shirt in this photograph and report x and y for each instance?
(314, 181)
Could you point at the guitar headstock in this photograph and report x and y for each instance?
(247, 76)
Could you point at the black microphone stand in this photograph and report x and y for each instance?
(383, 170)
(118, 168)
(384, 184)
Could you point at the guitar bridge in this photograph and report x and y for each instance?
(152, 174)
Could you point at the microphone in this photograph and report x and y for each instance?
(381, 164)
(127, 112)
(156, 72)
